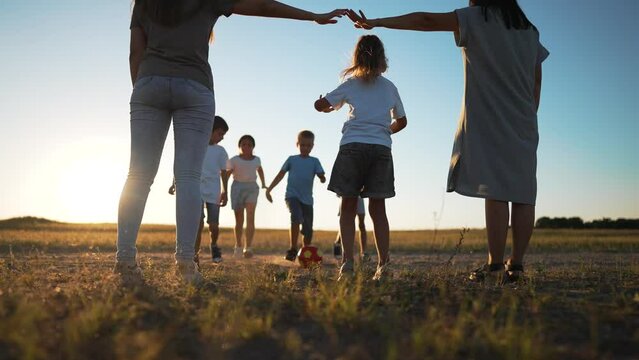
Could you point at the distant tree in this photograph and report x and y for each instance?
(577, 223)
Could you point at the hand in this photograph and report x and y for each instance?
(322, 180)
(328, 18)
(223, 198)
(325, 108)
(268, 196)
(172, 190)
(360, 21)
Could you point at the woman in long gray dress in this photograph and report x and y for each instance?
(495, 151)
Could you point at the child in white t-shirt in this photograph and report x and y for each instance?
(244, 192)
(364, 164)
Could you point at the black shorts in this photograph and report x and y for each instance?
(364, 170)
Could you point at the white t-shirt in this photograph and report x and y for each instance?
(372, 108)
(214, 162)
(243, 170)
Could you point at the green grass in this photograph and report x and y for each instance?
(58, 299)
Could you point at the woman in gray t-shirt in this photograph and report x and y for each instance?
(172, 82)
(495, 151)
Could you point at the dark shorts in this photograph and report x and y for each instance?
(301, 214)
(212, 212)
(364, 170)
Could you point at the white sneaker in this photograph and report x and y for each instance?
(382, 273)
(247, 253)
(188, 272)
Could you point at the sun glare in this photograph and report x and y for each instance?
(89, 189)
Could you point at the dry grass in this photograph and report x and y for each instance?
(58, 299)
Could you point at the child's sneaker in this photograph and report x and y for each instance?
(346, 271)
(382, 273)
(514, 273)
(365, 257)
(237, 252)
(337, 250)
(188, 272)
(291, 254)
(488, 271)
(129, 271)
(216, 254)
(247, 253)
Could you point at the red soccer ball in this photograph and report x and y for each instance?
(309, 256)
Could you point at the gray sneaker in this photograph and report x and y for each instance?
(346, 271)
(188, 272)
(129, 271)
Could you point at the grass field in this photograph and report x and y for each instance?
(58, 299)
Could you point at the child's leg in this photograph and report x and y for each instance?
(239, 225)
(307, 223)
(294, 235)
(214, 229)
(250, 223)
(496, 229)
(363, 239)
(377, 209)
(523, 221)
(347, 226)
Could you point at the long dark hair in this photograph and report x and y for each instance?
(512, 14)
(369, 59)
(167, 12)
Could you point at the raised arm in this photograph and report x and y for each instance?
(418, 21)
(271, 8)
(136, 51)
(322, 105)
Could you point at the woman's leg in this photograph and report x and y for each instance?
(377, 209)
(149, 127)
(250, 223)
(347, 226)
(192, 124)
(497, 229)
(523, 222)
(239, 226)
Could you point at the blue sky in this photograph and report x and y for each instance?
(64, 143)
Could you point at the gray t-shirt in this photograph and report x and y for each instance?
(495, 150)
(181, 50)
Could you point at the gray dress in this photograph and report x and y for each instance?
(495, 150)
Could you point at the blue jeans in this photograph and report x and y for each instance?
(154, 102)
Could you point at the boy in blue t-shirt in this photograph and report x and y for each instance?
(301, 170)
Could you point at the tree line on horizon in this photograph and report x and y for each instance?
(578, 223)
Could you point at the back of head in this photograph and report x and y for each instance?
(510, 11)
(305, 134)
(369, 59)
(220, 123)
(168, 13)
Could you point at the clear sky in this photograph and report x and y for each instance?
(65, 87)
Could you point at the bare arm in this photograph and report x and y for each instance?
(399, 124)
(224, 198)
(274, 183)
(537, 86)
(418, 21)
(271, 8)
(136, 51)
(322, 177)
(322, 105)
(260, 173)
